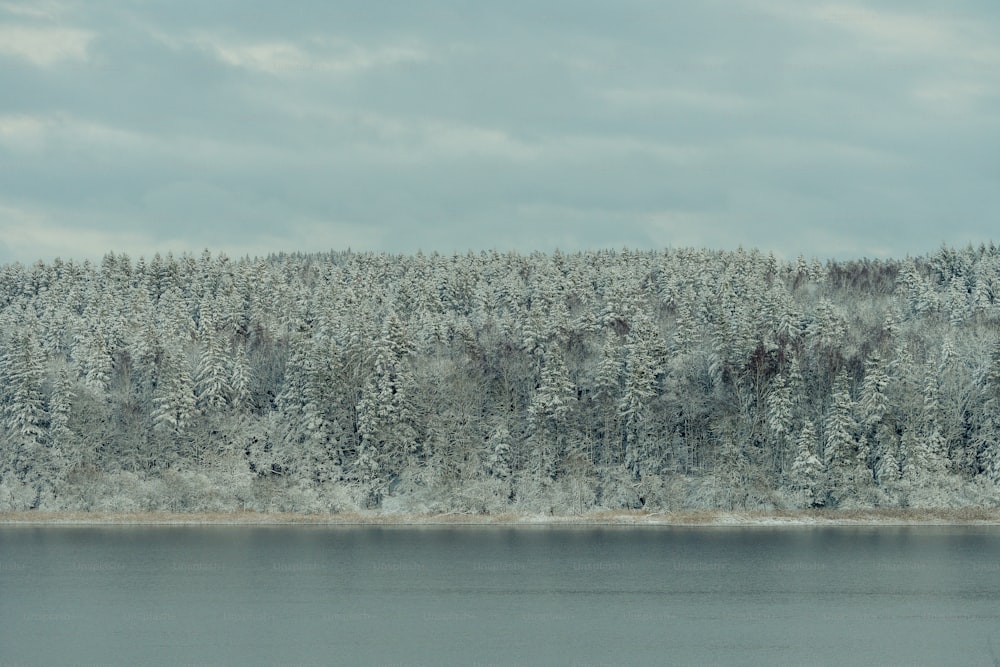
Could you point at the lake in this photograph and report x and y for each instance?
(499, 595)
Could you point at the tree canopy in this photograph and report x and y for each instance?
(491, 382)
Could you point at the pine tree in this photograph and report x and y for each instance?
(779, 419)
(807, 470)
(93, 357)
(212, 384)
(840, 451)
(686, 332)
(549, 414)
(24, 415)
(608, 395)
(306, 405)
(874, 404)
(887, 472)
(385, 420)
(989, 436)
(239, 380)
(61, 405)
(926, 461)
(60, 437)
(174, 394)
(641, 370)
(957, 300)
(500, 461)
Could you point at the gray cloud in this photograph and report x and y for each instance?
(843, 129)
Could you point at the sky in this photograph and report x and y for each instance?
(823, 129)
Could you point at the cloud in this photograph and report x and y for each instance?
(44, 46)
(63, 134)
(32, 133)
(37, 9)
(22, 133)
(956, 97)
(312, 55)
(680, 228)
(32, 233)
(35, 233)
(402, 140)
(763, 122)
(810, 151)
(686, 98)
(415, 140)
(938, 33)
(910, 33)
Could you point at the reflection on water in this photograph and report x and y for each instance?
(498, 595)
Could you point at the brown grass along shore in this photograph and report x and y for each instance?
(888, 517)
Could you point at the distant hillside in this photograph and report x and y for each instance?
(497, 382)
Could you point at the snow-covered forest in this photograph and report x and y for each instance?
(497, 382)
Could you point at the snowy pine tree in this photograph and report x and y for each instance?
(779, 420)
(385, 420)
(549, 413)
(807, 473)
(639, 391)
(840, 451)
(24, 416)
(174, 394)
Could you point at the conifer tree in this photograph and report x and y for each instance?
(989, 436)
(779, 419)
(639, 390)
(174, 395)
(608, 395)
(549, 413)
(212, 378)
(239, 379)
(807, 472)
(24, 415)
(840, 440)
(926, 461)
(385, 419)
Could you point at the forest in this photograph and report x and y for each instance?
(493, 382)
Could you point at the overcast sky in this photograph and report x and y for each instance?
(861, 129)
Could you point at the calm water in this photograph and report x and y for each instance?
(499, 596)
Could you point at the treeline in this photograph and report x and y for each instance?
(497, 382)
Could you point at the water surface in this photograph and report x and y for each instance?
(239, 595)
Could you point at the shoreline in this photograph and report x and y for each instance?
(868, 517)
